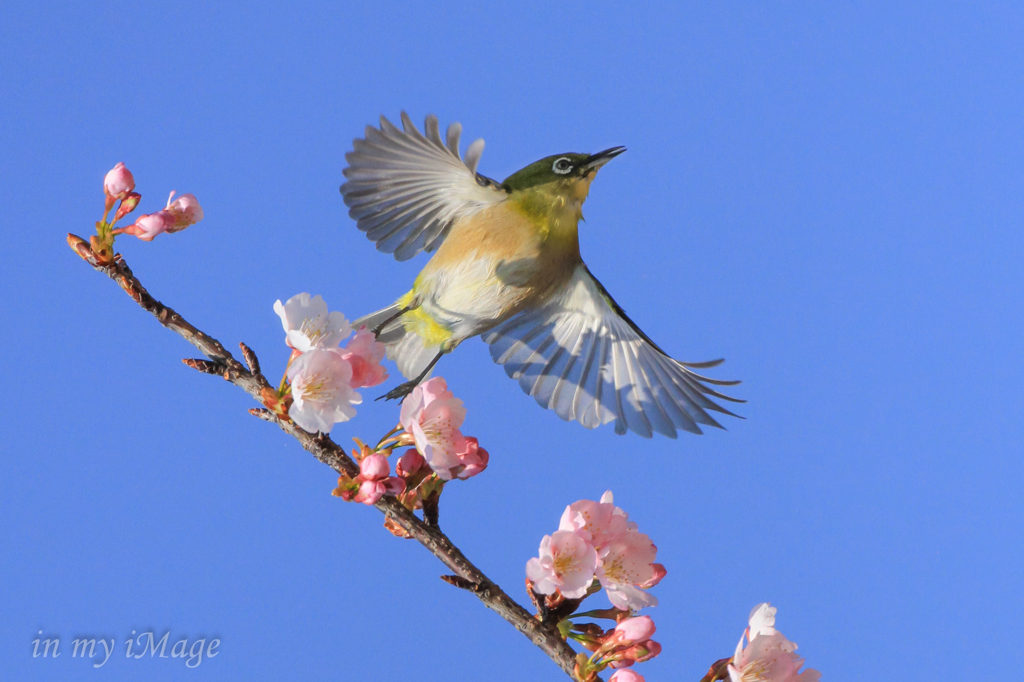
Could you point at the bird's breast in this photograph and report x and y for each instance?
(492, 265)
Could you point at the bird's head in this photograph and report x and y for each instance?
(564, 174)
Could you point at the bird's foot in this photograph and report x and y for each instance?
(399, 391)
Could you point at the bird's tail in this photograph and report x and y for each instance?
(408, 350)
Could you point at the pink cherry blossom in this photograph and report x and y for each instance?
(566, 564)
(184, 211)
(626, 565)
(321, 390)
(433, 415)
(118, 182)
(308, 324)
(768, 656)
(626, 675)
(600, 521)
(364, 353)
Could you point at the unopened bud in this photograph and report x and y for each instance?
(128, 204)
(644, 651)
(632, 630)
(409, 464)
(118, 182)
(375, 467)
(147, 227)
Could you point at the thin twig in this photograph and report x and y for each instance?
(330, 453)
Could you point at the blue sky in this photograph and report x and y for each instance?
(826, 194)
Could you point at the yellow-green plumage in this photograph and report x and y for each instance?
(495, 262)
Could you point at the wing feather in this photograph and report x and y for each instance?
(405, 189)
(582, 357)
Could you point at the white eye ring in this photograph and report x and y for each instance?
(562, 165)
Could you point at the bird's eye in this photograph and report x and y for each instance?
(562, 166)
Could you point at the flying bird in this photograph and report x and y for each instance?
(506, 266)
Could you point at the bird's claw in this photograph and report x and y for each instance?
(399, 391)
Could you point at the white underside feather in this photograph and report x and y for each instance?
(580, 358)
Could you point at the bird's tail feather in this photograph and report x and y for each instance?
(409, 351)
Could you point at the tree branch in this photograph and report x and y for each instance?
(250, 380)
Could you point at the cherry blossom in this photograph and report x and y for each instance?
(600, 522)
(762, 621)
(626, 675)
(307, 324)
(364, 353)
(566, 564)
(184, 211)
(321, 390)
(433, 415)
(625, 556)
(767, 656)
(179, 214)
(627, 565)
(118, 182)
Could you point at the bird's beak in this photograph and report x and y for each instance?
(595, 161)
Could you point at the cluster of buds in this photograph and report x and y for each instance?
(119, 186)
(431, 421)
(627, 643)
(597, 544)
(373, 482)
(318, 389)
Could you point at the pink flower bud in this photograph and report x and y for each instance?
(634, 630)
(364, 353)
(473, 459)
(375, 468)
(147, 227)
(370, 492)
(409, 464)
(393, 485)
(626, 676)
(644, 651)
(118, 182)
(128, 204)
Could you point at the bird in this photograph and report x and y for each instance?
(506, 266)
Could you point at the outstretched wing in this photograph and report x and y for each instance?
(582, 357)
(405, 190)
